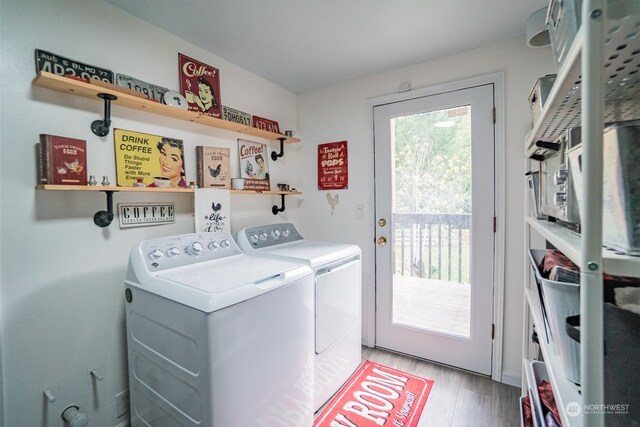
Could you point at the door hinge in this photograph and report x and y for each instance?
(493, 331)
(494, 115)
(494, 224)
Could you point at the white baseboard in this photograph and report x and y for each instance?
(512, 378)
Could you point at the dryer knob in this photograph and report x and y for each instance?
(194, 248)
(155, 254)
(275, 234)
(263, 236)
(254, 238)
(225, 243)
(286, 232)
(214, 245)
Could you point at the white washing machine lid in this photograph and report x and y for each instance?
(212, 285)
(310, 252)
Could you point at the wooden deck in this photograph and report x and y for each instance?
(435, 305)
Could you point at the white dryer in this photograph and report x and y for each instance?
(216, 338)
(337, 271)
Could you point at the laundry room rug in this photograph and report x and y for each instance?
(377, 395)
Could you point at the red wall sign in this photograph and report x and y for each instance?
(333, 166)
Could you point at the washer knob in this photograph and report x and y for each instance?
(173, 252)
(263, 236)
(194, 248)
(225, 243)
(214, 245)
(286, 232)
(275, 233)
(254, 237)
(155, 254)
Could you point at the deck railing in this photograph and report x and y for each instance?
(432, 245)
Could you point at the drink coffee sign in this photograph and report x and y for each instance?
(333, 166)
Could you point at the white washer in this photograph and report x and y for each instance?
(217, 338)
(338, 281)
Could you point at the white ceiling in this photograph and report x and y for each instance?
(304, 45)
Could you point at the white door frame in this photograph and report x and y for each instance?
(498, 296)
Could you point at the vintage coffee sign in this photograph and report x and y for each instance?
(200, 85)
(254, 166)
(333, 166)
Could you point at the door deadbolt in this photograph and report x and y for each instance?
(382, 222)
(382, 241)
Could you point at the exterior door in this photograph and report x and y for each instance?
(434, 188)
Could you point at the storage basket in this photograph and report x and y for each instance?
(621, 185)
(539, 94)
(563, 21)
(561, 300)
(537, 373)
(621, 363)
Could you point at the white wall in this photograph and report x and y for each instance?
(61, 288)
(340, 112)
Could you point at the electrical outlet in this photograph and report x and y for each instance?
(122, 403)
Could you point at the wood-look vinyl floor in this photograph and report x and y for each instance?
(458, 398)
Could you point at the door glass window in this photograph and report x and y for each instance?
(432, 220)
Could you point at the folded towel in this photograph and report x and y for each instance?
(634, 308)
(627, 295)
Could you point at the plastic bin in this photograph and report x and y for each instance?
(538, 373)
(561, 300)
(621, 364)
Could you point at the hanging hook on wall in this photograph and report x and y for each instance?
(274, 155)
(104, 218)
(101, 127)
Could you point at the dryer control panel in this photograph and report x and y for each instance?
(185, 249)
(268, 235)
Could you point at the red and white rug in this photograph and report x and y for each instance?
(375, 396)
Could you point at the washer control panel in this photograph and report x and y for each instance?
(263, 236)
(186, 249)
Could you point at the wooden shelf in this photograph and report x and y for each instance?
(91, 89)
(111, 188)
(52, 187)
(270, 193)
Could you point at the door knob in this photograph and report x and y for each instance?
(382, 241)
(382, 222)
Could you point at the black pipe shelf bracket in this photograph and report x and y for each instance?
(275, 209)
(104, 218)
(275, 156)
(101, 127)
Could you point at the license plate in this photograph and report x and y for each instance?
(266, 124)
(236, 116)
(61, 66)
(149, 90)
